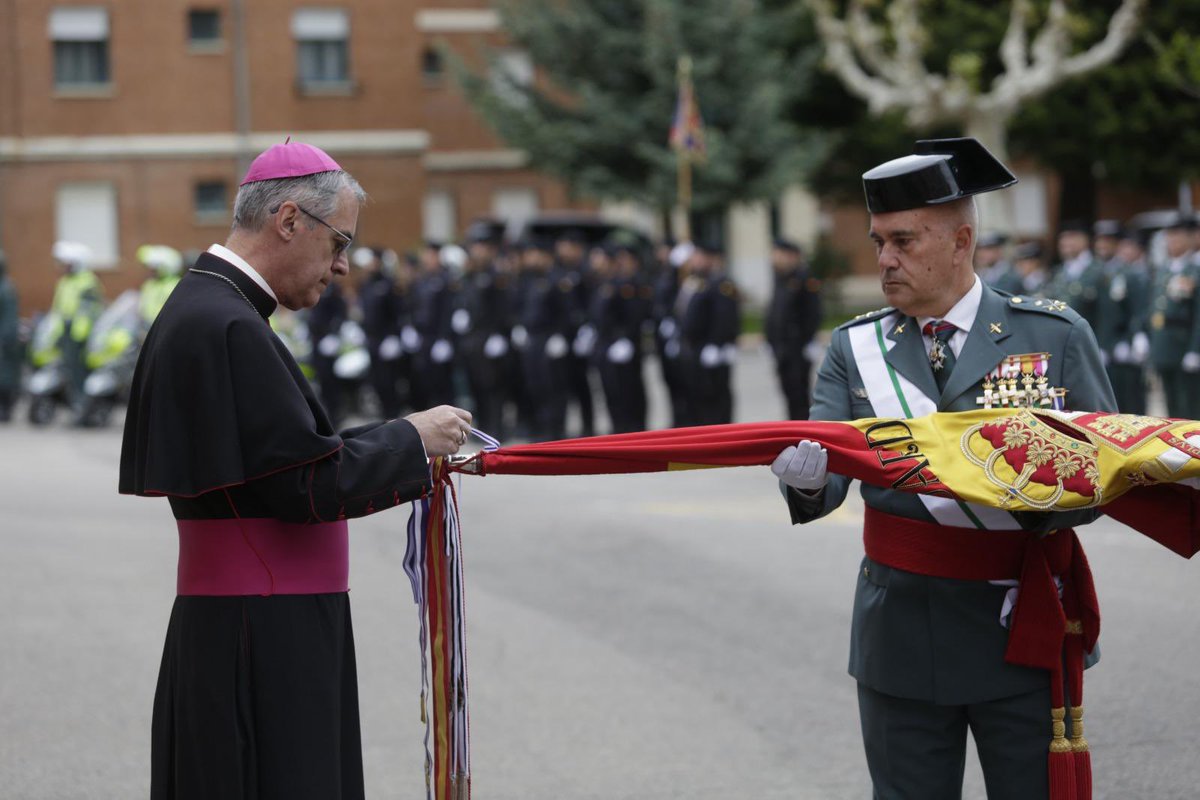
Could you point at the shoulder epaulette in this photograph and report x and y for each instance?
(870, 316)
(1053, 308)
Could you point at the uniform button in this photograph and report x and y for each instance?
(866, 572)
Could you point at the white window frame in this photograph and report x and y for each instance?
(324, 31)
(88, 212)
(83, 32)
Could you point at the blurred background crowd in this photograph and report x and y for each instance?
(572, 200)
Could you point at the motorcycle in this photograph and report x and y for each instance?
(47, 384)
(110, 356)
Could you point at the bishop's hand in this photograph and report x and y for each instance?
(803, 466)
(443, 429)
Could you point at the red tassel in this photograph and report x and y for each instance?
(1063, 785)
(1083, 757)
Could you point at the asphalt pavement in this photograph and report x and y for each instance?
(652, 636)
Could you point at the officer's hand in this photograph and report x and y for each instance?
(1121, 352)
(803, 466)
(443, 429)
(1191, 362)
(1139, 348)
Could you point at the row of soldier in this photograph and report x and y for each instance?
(1143, 308)
(519, 334)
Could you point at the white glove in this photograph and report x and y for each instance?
(710, 356)
(1191, 362)
(1121, 352)
(585, 340)
(495, 346)
(666, 328)
(410, 338)
(441, 352)
(390, 348)
(556, 346)
(814, 351)
(329, 345)
(729, 353)
(1140, 348)
(460, 321)
(803, 466)
(620, 351)
(671, 349)
(520, 337)
(352, 333)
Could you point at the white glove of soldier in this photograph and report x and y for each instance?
(441, 352)
(556, 346)
(620, 352)
(390, 348)
(410, 338)
(710, 356)
(666, 328)
(460, 321)
(1140, 348)
(585, 340)
(803, 466)
(1121, 351)
(520, 337)
(1191, 362)
(495, 346)
(329, 345)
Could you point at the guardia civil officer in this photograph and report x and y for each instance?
(709, 322)
(571, 265)
(1175, 320)
(1079, 279)
(482, 321)
(1121, 311)
(166, 268)
(547, 322)
(433, 307)
(78, 300)
(379, 305)
(620, 309)
(793, 319)
(990, 262)
(666, 330)
(928, 642)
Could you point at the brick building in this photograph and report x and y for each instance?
(129, 122)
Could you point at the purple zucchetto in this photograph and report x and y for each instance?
(289, 160)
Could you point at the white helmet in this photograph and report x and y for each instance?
(161, 258)
(453, 257)
(71, 254)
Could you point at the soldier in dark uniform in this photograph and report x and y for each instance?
(1079, 279)
(482, 320)
(379, 305)
(546, 321)
(571, 266)
(10, 343)
(1028, 275)
(666, 330)
(990, 263)
(620, 308)
(709, 323)
(1121, 314)
(1175, 320)
(433, 305)
(324, 329)
(793, 319)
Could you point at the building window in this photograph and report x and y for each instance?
(432, 67)
(204, 28)
(211, 201)
(87, 213)
(80, 37)
(322, 48)
(438, 218)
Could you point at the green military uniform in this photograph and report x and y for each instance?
(929, 652)
(1121, 311)
(1079, 287)
(10, 344)
(1175, 332)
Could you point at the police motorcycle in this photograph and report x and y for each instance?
(47, 384)
(111, 355)
(292, 330)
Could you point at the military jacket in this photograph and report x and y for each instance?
(1123, 308)
(936, 639)
(1081, 293)
(1174, 323)
(711, 315)
(485, 303)
(794, 314)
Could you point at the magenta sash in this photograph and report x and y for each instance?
(224, 557)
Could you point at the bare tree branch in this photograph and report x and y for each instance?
(1013, 48)
(879, 94)
(910, 41)
(867, 38)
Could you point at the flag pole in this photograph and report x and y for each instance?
(683, 154)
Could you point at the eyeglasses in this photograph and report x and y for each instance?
(344, 240)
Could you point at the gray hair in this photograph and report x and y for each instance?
(316, 193)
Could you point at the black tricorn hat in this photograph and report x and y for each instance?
(939, 171)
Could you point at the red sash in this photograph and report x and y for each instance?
(226, 557)
(1045, 632)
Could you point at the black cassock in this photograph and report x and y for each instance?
(257, 695)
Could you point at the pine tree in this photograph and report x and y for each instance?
(599, 114)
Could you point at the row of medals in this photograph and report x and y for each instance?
(1015, 383)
